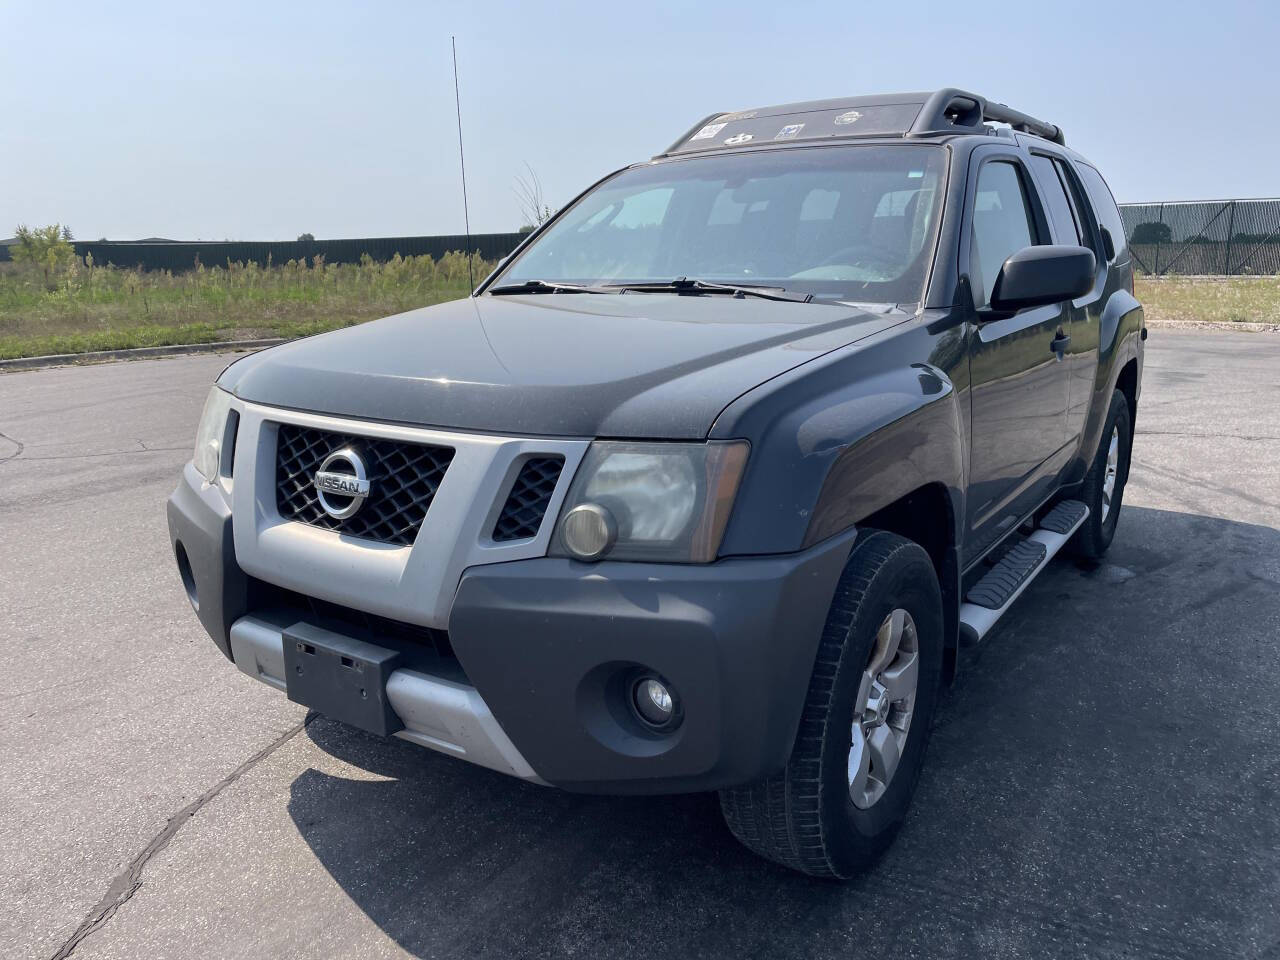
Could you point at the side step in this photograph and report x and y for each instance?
(990, 597)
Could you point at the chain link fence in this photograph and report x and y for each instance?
(1209, 237)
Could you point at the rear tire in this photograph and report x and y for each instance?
(842, 796)
(1103, 486)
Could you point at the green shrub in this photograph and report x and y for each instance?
(50, 300)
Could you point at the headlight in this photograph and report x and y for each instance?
(210, 434)
(650, 501)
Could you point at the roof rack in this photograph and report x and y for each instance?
(949, 108)
(930, 114)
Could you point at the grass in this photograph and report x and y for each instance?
(1220, 299)
(88, 307)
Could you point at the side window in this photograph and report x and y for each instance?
(1055, 197)
(1105, 206)
(1085, 224)
(1002, 224)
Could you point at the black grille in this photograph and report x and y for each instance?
(403, 477)
(424, 648)
(527, 503)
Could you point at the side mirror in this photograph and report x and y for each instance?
(1038, 275)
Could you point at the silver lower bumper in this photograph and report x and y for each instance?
(438, 714)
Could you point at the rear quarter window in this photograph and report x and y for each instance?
(1104, 205)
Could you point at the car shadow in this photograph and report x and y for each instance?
(1076, 800)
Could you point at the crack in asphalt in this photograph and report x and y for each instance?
(129, 881)
(31, 692)
(1194, 483)
(1208, 436)
(109, 453)
(16, 443)
(142, 448)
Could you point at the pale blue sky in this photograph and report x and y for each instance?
(264, 120)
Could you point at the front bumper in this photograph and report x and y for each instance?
(437, 712)
(548, 647)
(204, 547)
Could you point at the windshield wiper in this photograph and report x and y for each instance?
(685, 285)
(543, 286)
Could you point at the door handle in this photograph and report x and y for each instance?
(1059, 344)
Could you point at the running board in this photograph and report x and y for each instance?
(989, 598)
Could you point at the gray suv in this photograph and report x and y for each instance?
(706, 485)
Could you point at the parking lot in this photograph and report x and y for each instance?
(1103, 781)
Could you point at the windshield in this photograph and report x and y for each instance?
(840, 223)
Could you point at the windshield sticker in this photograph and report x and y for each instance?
(744, 115)
(914, 174)
(852, 116)
(740, 138)
(789, 132)
(709, 131)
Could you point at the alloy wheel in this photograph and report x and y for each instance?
(1109, 479)
(883, 708)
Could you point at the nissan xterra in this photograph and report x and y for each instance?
(704, 487)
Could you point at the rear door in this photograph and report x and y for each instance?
(1062, 195)
(1019, 381)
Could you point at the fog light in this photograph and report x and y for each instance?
(588, 531)
(653, 701)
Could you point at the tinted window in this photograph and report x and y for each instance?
(1002, 225)
(1105, 206)
(851, 223)
(1055, 198)
(1086, 226)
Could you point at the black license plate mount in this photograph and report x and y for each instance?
(342, 677)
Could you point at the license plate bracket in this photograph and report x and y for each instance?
(342, 677)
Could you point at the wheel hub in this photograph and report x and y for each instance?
(878, 703)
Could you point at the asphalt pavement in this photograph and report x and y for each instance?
(1103, 780)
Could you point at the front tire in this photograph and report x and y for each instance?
(1103, 486)
(842, 796)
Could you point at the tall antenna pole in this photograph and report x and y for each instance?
(466, 214)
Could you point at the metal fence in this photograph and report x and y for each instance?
(184, 255)
(1216, 237)
(1222, 237)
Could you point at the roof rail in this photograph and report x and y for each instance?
(949, 108)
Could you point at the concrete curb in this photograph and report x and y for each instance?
(1240, 326)
(135, 353)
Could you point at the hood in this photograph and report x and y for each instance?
(580, 365)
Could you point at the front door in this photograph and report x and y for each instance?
(1019, 380)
